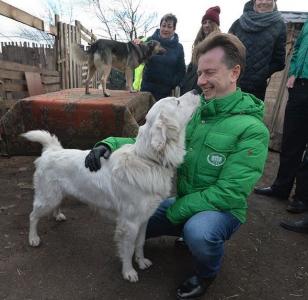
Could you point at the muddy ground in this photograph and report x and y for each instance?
(76, 259)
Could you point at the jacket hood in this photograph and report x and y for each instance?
(248, 6)
(235, 103)
(169, 43)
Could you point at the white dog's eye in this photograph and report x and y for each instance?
(177, 102)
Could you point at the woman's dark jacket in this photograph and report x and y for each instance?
(265, 42)
(163, 72)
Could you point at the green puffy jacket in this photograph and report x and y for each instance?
(299, 61)
(226, 143)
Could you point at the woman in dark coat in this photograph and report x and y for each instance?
(263, 32)
(164, 72)
(209, 23)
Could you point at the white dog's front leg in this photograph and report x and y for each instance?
(125, 235)
(142, 262)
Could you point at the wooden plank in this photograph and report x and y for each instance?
(65, 56)
(82, 28)
(12, 66)
(20, 16)
(61, 55)
(73, 41)
(50, 73)
(52, 88)
(50, 80)
(8, 65)
(56, 44)
(78, 40)
(85, 38)
(6, 74)
(34, 83)
(14, 87)
(70, 62)
(53, 30)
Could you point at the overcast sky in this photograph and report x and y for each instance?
(189, 14)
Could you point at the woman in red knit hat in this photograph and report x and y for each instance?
(209, 23)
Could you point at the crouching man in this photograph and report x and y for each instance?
(226, 143)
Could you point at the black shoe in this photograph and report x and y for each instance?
(297, 206)
(297, 226)
(271, 192)
(193, 287)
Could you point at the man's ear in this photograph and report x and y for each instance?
(158, 140)
(236, 72)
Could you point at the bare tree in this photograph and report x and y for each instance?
(52, 8)
(124, 19)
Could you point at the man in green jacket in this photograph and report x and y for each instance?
(293, 164)
(226, 143)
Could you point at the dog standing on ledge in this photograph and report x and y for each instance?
(106, 54)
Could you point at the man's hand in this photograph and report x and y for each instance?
(290, 82)
(93, 159)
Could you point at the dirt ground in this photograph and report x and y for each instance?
(76, 259)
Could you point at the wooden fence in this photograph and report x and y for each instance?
(13, 83)
(58, 58)
(42, 56)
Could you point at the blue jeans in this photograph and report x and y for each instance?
(204, 233)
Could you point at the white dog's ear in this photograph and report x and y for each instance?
(159, 138)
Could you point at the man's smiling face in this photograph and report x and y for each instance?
(215, 78)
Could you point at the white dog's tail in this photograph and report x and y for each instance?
(78, 54)
(47, 140)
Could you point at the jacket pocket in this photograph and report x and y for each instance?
(215, 151)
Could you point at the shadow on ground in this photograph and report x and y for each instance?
(77, 258)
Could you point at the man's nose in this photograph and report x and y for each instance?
(202, 80)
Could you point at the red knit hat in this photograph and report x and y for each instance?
(212, 14)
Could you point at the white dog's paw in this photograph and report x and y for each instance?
(143, 263)
(60, 217)
(34, 240)
(131, 275)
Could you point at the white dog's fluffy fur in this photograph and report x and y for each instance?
(128, 187)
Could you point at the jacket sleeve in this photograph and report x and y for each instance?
(181, 68)
(232, 28)
(293, 63)
(279, 52)
(115, 143)
(242, 169)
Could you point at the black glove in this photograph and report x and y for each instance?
(93, 161)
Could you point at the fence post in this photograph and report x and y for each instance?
(56, 45)
(78, 41)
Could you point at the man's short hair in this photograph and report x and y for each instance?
(235, 51)
(168, 18)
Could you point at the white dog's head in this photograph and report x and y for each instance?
(162, 137)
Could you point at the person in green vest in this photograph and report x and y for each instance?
(227, 146)
(139, 70)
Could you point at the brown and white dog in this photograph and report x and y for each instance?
(106, 54)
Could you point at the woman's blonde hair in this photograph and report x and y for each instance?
(201, 35)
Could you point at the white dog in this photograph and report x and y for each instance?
(128, 187)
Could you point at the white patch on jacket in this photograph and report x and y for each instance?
(129, 186)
